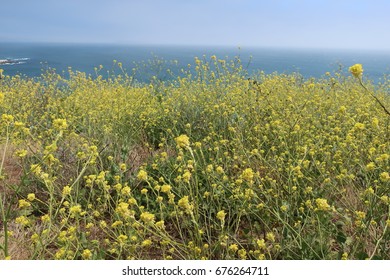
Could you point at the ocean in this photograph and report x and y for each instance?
(33, 59)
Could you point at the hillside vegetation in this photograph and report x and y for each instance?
(209, 165)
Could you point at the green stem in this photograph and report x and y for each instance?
(5, 227)
(2, 203)
(376, 98)
(380, 239)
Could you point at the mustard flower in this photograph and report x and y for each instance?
(242, 254)
(261, 244)
(160, 224)
(322, 204)
(270, 236)
(7, 119)
(126, 191)
(356, 70)
(146, 243)
(122, 238)
(142, 175)
(221, 215)
(370, 166)
(60, 254)
(359, 126)
(166, 188)
(22, 220)
(186, 176)
(144, 191)
(185, 204)
(24, 204)
(123, 167)
(385, 177)
(284, 208)
(360, 215)
(183, 141)
(116, 224)
(219, 170)
(385, 199)
(35, 238)
(86, 254)
(21, 153)
(248, 174)
(75, 210)
(147, 217)
(132, 201)
(31, 196)
(45, 218)
(123, 209)
(233, 248)
(60, 124)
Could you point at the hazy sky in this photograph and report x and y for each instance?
(357, 24)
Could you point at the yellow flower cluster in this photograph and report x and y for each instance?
(183, 141)
(322, 204)
(356, 70)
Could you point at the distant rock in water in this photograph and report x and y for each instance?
(11, 61)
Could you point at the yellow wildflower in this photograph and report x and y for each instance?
(60, 124)
(370, 166)
(385, 177)
(165, 188)
(233, 247)
(270, 236)
(35, 238)
(123, 209)
(142, 175)
(123, 167)
(144, 191)
(116, 224)
(221, 215)
(186, 176)
(7, 119)
(248, 174)
(261, 244)
(22, 220)
(322, 204)
(87, 254)
(24, 204)
(147, 217)
(183, 141)
(356, 70)
(219, 169)
(45, 218)
(160, 224)
(31, 196)
(185, 204)
(146, 243)
(122, 238)
(75, 210)
(21, 153)
(284, 208)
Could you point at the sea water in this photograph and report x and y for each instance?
(33, 59)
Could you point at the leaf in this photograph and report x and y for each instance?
(362, 255)
(341, 238)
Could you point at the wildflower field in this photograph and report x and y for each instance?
(208, 165)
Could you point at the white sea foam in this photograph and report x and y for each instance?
(14, 61)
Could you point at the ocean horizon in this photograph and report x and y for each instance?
(33, 59)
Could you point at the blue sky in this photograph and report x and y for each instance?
(347, 24)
